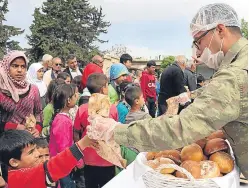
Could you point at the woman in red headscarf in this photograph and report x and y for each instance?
(18, 98)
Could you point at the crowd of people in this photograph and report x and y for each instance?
(44, 109)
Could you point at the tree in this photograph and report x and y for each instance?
(244, 28)
(6, 32)
(167, 61)
(63, 27)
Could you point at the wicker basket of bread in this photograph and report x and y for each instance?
(207, 163)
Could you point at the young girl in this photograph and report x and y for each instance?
(48, 111)
(61, 132)
(64, 76)
(35, 77)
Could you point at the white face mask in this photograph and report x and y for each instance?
(213, 61)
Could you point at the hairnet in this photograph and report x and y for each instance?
(209, 16)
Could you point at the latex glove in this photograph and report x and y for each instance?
(101, 128)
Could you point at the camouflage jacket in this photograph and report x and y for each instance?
(223, 103)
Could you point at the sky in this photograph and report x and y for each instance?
(148, 28)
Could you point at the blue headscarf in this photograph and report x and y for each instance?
(117, 70)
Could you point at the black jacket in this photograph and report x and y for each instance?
(68, 71)
(190, 80)
(171, 83)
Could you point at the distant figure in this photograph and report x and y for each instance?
(73, 69)
(200, 81)
(148, 86)
(171, 82)
(189, 76)
(126, 59)
(47, 62)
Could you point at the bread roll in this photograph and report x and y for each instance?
(205, 158)
(192, 152)
(224, 161)
(215, 145)
(209, 169)
(166, 161)
(192, 167)
(201, 142)
(151, 155)
(174, 155)
(169, 176)
(216, 134)
(153, 163)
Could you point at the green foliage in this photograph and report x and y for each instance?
(63, 27)
(6, 32)
(244, 28)
(167, 61)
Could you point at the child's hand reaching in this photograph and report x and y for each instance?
(87, 142)
(2, 182)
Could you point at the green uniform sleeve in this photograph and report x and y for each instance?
(217, 105)
(112, 94)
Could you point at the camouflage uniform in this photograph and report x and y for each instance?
(221, 104)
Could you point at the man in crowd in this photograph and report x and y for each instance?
(73, 69)
(148, 86)
(52, 73)
(126, 59)
(189, 75)
(95, 66)
(47, 62)
(172, 82)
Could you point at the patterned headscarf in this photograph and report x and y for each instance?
(9, 85)
(117, 70)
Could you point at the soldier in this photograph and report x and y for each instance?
(222, 103)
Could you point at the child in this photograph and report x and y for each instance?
(134, 97)
(61, 132)
(42, 147)
(200, 81)
(48, 111)
(77, 81)
(18, 151)
(118, 73)
(97, 170)
(64, 76)
(123, 107)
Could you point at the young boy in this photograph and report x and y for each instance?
(19, 152)
(97, 170)
(42, 147)
(134, 97)
(118, 73)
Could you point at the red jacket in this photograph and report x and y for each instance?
(80, 124)
(90, 68)
(148, 85)
(51, 171)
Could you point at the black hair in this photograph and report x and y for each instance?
(83, 100)
(151, 63)
(60, 97)
(77, 81)
(12, 144)
(41, 142)
(51, 87)
(63, 75)
(124, 58)
(132, 93)
(200, 79)
(95, 82)
(123, 87)
(70, 57)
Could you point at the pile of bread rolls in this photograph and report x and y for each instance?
(207, 158)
